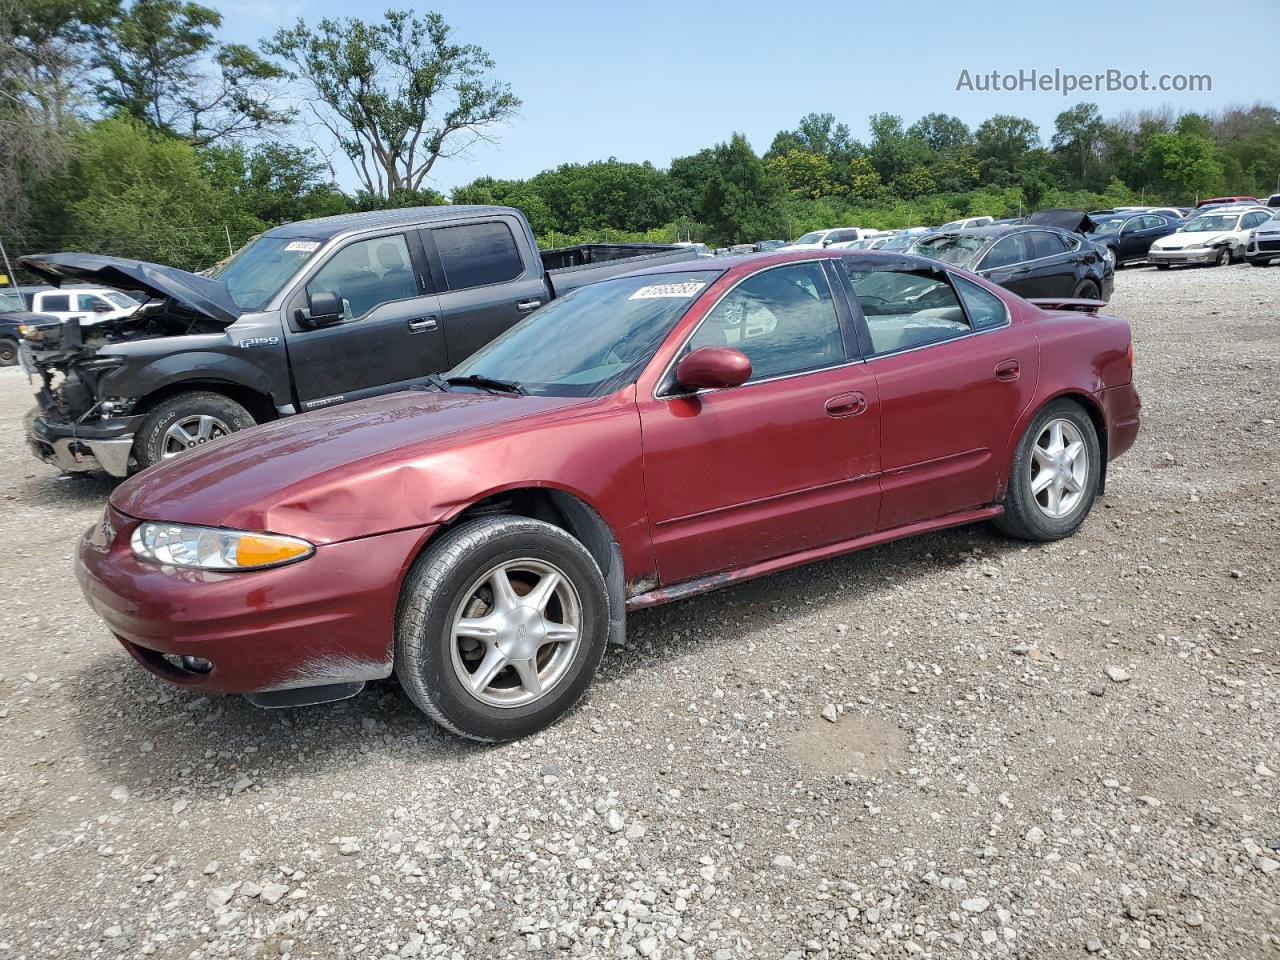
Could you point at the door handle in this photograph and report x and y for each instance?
(418, 324)
(1007, 370)
(524, 306)
(846, 405)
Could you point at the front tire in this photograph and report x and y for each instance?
(8, 351)
(1223, 257)
(1162, 266)
(1055, 475)
(184, 422)
(502, 624)
(1259, 263)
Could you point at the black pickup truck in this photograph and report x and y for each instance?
(306, 315)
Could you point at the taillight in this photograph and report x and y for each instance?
(1129, 355)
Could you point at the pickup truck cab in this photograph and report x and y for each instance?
(89, 305)
(307, 315)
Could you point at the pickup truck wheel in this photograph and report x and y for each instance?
(501, 627)
(8, 351)
(1055, 475)
(187, 421)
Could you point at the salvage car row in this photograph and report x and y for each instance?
(483, 533)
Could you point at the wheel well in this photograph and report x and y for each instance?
(258, 404)
(575, 517)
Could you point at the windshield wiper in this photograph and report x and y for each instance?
(492, 384)
(433, 381)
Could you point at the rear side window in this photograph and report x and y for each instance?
(908, 310)
(1011, 249)
(478, 254)
(57, 302)
(1045, 244)
(986, 310)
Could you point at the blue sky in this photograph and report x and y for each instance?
(660, 79)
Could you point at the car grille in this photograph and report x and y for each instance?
(1269, 244)
(1168, 249)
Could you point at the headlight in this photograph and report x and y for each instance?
(210, 548)
(1110, 255)
(1198, 246)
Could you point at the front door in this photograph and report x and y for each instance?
(391, 337)
(785, 462)
(953, 373)
(487, 286)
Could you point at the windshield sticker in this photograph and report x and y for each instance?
(304, 246)
(659, 290)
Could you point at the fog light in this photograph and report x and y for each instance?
(197, 664)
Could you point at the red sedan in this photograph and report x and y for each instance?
(646, 438)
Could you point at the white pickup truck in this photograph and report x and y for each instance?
(89, 304)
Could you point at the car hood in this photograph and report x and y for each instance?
(1183, 239)
(204, 295)
(336, 474)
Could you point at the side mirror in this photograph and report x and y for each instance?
(826, 243)
(323, 308)
(713, 368)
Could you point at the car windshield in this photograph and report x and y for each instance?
(954, 248)
(1210, 223)
(1111, 225)
(262, 266)
(814, 237)
(119, 300)
(11, 303)
(591, 341)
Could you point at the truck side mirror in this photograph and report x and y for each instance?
(323, 308)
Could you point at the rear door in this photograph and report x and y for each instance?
(953, 372)
(391, 336)
(489, 279)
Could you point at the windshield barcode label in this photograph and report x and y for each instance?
(304, 246)
(657, 290)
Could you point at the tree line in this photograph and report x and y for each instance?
(132, 128)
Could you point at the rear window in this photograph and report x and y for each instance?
(478, 254)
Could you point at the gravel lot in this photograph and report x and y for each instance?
(1036, 752)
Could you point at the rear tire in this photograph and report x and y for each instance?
(8, 351)
(1038, 510)
(1088, 290)
(187, 421)
(1162, 266)
(490, 667)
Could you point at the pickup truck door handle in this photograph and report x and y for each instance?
(1007, 370)
(524, 306)
(422, 323)
(846, 405)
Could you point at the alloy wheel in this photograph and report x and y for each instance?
(190, 432)
(516, 632)
(1059, 468)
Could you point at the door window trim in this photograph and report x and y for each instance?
(1018, 263)
(663, 386)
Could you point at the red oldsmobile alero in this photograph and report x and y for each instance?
(640, 440)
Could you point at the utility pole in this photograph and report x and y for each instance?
(230, 249)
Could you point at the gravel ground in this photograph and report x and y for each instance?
(955, 746)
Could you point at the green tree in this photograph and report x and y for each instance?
(742, 201)
(1003, 145)
(274, 183)
(942, 132)
(1185, 162)
(397, 96)
(1078, 140)
(808, 174)
(133, 192)
(891, 150)
(151, 59)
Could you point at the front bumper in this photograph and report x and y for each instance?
(325, 620)
(78, 447)
(1208, 255)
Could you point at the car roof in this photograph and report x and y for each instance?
(325, 228)
(745, 263)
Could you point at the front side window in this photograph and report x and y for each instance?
(592, 341)
(1007, 251)
(783, 319)
(908, 310)
(986, 310)
(478, 254)
(87, 301)
(367, 274)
